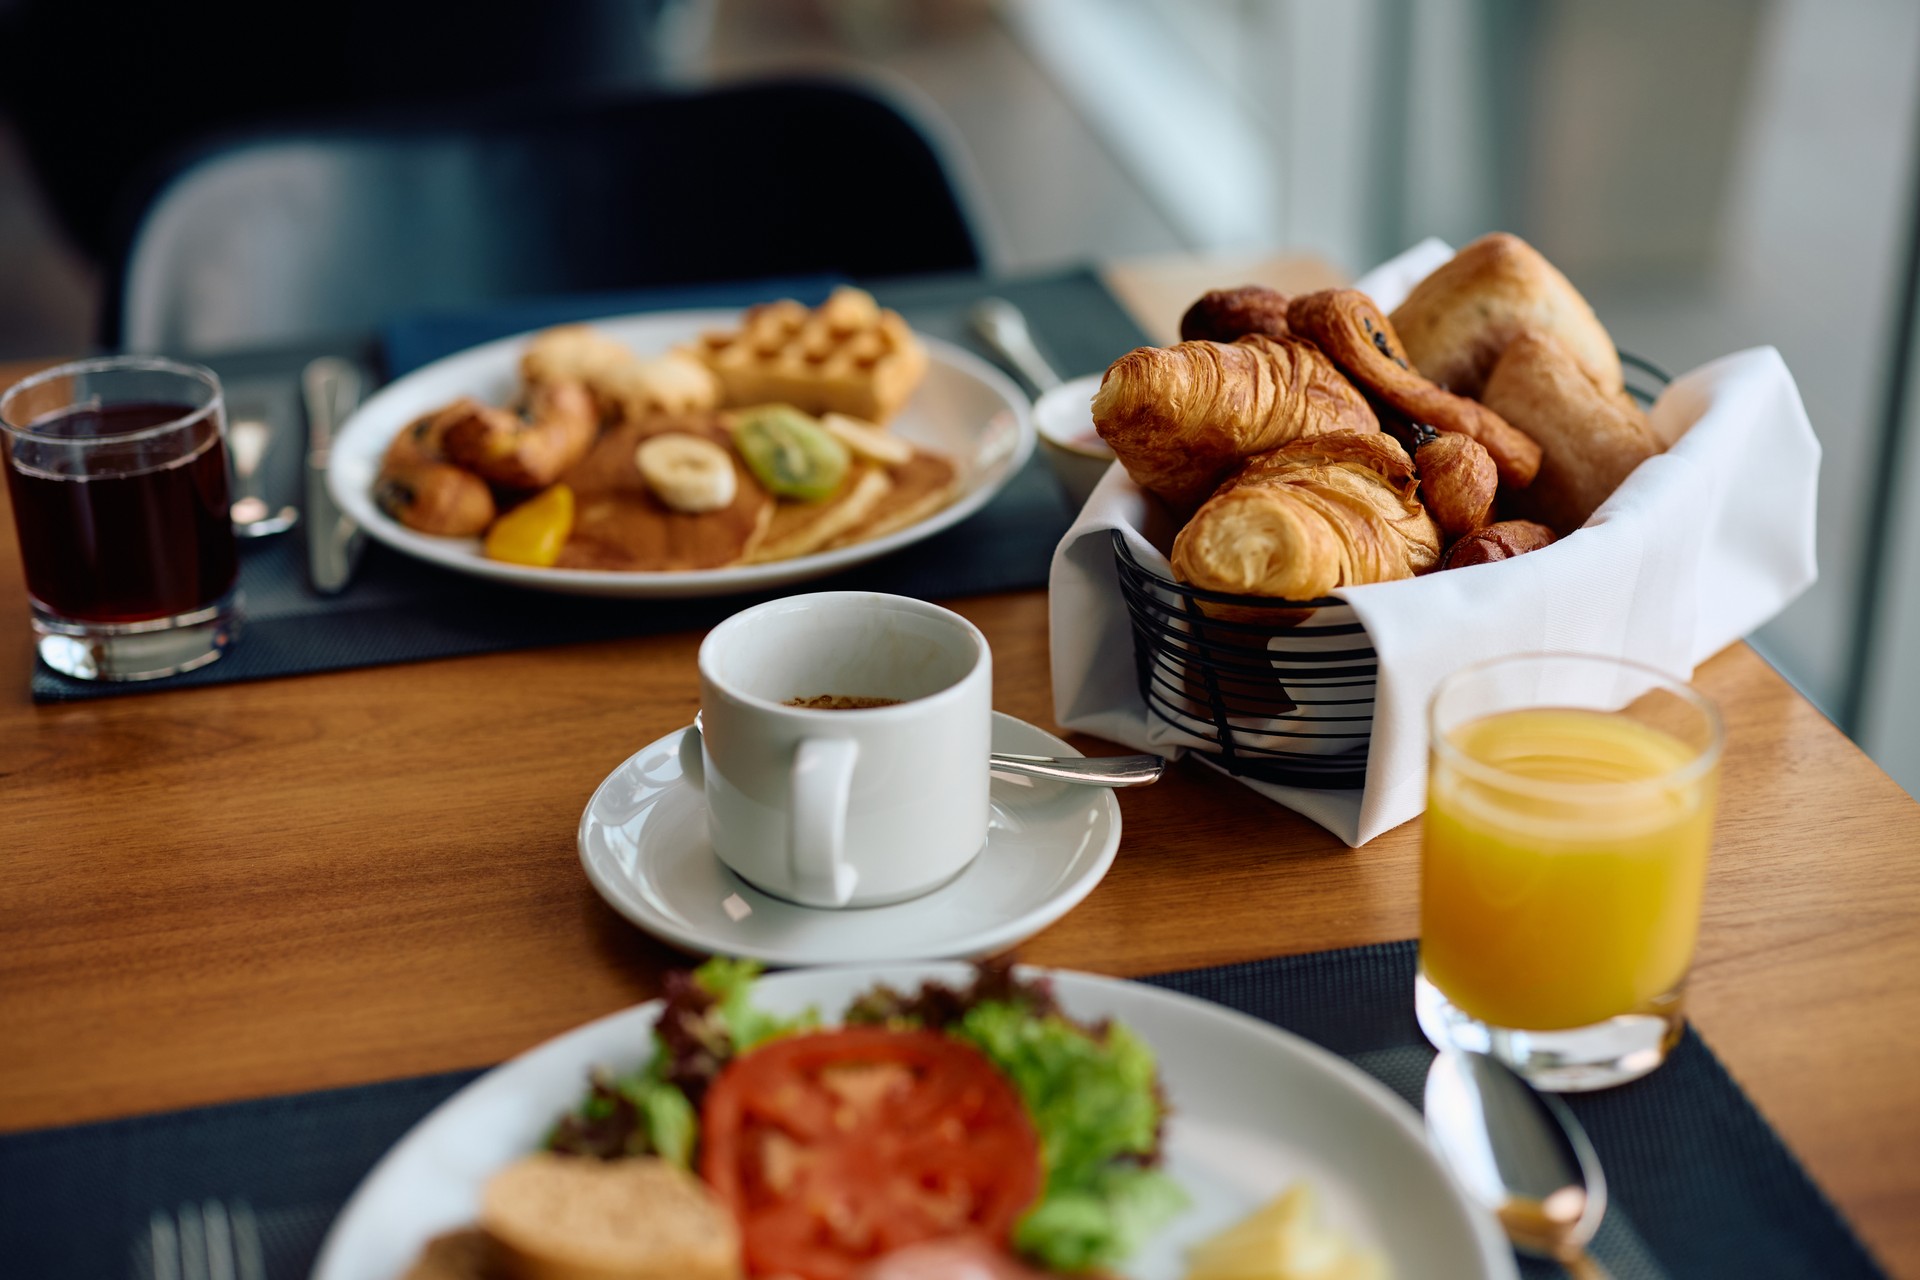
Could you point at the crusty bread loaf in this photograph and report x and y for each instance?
(561, 1217)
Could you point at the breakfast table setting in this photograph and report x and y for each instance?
(437, 846)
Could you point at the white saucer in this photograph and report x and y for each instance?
(643, 843)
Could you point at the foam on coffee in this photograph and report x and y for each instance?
(841, 702)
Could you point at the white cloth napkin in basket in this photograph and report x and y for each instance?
(1698, 547)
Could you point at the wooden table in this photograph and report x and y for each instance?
(229, 892)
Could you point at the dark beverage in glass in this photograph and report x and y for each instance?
(151, 542)
(117, 472)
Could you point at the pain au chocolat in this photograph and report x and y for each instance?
(1346, 325)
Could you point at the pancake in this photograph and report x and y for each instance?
(620, 525)
(799, 528)
(921, 486)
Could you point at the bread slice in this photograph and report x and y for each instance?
(466, 1254)
(561, 1217)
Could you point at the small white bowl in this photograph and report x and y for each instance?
(1063, 419)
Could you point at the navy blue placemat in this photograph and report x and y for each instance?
(401, 610)
(1700, 1186)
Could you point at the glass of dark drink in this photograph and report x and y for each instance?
(117, 469)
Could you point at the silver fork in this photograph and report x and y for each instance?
(206, 1242)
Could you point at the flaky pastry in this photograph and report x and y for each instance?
(1591, 440)
(1180, 418)
(1346, 325)
(1458, 321)
(1299, 521)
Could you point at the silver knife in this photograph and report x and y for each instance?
(331, 388)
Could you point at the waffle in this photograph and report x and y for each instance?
(847, 355)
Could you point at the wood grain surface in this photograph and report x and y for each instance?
(222, 893)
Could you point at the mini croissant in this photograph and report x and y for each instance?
(1299, 521)
(1180, 418)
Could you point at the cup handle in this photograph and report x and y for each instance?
(692, 767)
(822, 783)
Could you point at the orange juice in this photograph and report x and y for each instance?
(1547, 901)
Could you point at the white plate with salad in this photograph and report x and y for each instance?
(1059, 1156)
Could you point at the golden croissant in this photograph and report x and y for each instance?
(1180, 418)
(1303, 519)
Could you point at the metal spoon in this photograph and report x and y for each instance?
(1095, 771)
(1521, 1154)
(1003, 327)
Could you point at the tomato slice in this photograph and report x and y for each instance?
(837, 1147)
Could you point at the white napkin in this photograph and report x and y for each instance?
(1698, 547)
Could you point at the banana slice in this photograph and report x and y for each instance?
(689, 473)
(868, 441)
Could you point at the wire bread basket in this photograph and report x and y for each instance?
(1280, 691)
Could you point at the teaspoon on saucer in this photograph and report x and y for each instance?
(1094, 771)
(1087, 771)
(1521, 1154)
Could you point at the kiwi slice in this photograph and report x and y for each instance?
(791, 454)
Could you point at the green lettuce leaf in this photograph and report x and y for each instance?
(1095, 1107)
(730, 983)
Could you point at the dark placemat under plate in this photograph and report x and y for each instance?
(401, 610)
(1701, 1187)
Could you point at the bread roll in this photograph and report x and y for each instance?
(1458, 321)
(1180, 418)
(1502, 541)
(1228, 315)
(1591, 439)
(561, 1217)
(1346, 325)
(1303, 519)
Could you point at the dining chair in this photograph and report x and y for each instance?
(297, 233)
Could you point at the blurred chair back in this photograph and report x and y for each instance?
(323, 231)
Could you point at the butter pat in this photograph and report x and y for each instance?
(1284, 1241)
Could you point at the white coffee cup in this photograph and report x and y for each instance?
(844, 808)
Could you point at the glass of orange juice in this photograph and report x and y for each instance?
(1570, 806)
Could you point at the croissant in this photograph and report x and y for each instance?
(1458, 321)
(530, 452)
(1592, 440)
(1346, 325)
(1180, 418)
(1297, 522)
(1457, 483)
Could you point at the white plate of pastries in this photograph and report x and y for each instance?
(685, 453)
